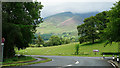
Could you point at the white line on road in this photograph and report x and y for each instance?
(112, 64)
(69, 65)
(76, 62)
(52, 60)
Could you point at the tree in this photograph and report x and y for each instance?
(112, 32)
(101, 20)
(19, 22)
(93, 27)
(39, 41)
(87, 31)
(55, 40)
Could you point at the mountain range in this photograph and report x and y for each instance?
(63, 22)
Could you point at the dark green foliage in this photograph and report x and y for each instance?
(77, 49)
(39, 41)
(93, 27)
(19, 22)
(46, 36)
(104, 26)
(48, 44)
(81, 40)
(55, 40)
(112, 32)
(65, 40)
(87, 31)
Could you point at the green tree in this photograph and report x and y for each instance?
(55, 40)
(87, 31)
(39, 41)
(20, 20)
(112, 32)
(101, 20)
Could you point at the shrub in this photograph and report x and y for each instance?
(77, 49)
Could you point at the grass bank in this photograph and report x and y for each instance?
(23, 61)
(18, 59)
(85, 49)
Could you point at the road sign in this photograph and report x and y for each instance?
(3, 40)
(95, 50)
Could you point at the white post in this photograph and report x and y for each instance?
(2, 50)
(117, 58)
(113, 57)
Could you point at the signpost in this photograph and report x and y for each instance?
(103, 56)
(3, 40)
(95, 51)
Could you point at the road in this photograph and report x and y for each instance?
(74, 62)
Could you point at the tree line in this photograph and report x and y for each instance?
(54, 40)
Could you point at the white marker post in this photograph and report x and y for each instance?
(117, 58)
(113, 57)
(2, 44)
(103, 56)
(2, 50)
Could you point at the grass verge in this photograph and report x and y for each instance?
(22, 63)
(18, 59)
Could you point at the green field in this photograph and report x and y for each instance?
(85, 49)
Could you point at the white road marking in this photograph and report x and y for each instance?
(112, 64)
(76, 62)
(52, 60)
(69, 65)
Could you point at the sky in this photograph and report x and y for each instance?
(52, 7)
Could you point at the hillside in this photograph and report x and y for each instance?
(63, 22)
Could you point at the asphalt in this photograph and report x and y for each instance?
(71, 62)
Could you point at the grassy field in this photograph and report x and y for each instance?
(85, 49)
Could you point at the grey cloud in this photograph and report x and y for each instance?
(76, 7)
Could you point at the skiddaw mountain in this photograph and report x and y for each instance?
(63, 22)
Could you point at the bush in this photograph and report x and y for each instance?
(77, 49)
(55, 40)
(47, 44)
(32, 45)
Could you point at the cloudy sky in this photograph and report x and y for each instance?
(52, 7)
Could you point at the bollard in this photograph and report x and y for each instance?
(117, 58)
(2, 51)
(113, 58)
(103, 56)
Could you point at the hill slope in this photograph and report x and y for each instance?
(63, 22)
